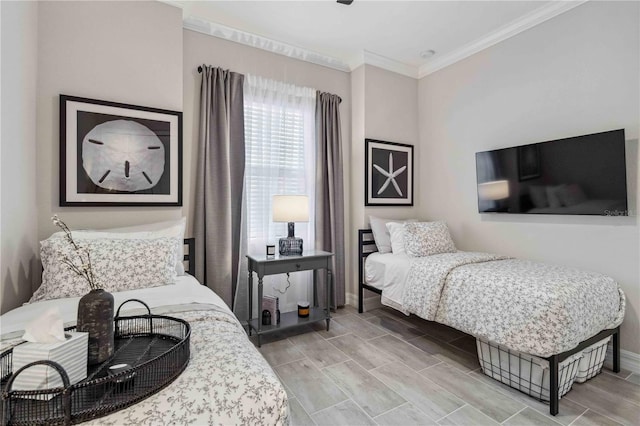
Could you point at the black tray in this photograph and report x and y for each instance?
(156, 346)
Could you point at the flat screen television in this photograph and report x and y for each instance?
(582, 175)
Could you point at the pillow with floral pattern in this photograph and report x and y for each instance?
(118, 265)
(427, 238)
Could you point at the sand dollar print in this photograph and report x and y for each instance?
(123, 155)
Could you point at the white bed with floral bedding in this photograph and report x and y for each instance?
(531, 307)
(227, 381)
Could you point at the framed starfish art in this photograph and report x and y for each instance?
(388, 173)
(114, 154)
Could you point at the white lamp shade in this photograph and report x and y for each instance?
(290, 208)
(494, 190)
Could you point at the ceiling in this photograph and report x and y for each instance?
(390, 34)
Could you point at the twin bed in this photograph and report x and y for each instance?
(227, 381)
(531, 309)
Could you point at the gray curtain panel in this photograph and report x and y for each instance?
(330, 191)
(220, 180)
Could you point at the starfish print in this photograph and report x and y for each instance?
(390, 175)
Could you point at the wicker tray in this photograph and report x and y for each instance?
(157, 348)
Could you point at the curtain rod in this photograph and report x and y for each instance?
(340, 99)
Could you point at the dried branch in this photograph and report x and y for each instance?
(85, 270)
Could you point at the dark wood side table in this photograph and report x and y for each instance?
(263, 265)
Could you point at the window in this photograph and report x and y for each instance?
(280, 159)
(275, 161)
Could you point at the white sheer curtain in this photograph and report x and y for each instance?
(280, 159)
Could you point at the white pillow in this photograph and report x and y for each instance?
(381, 234)
(149, 231)
(427, 238)
(396, 230)
(117, 264)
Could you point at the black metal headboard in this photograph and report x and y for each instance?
(190, 257)
(366, 246)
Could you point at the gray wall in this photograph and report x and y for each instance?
(18, 217)
(128, 52)
(385, 107)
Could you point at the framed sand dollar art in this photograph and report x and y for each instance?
(114, 154)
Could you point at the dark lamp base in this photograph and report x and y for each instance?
(290, 246)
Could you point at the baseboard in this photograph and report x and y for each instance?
(628, 360)
(369, 302)
(351, 299)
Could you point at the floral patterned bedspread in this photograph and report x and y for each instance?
(227, 381)
(531, 307)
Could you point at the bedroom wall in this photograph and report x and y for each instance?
(129, 52)
(18, 218)
(204, 49)
(574, 74)
(391, 114)
(385, 108)
(356, 203)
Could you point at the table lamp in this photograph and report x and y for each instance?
(290, 209)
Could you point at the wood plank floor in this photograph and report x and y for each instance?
(382, 368)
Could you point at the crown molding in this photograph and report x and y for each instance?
(388, 64)
(238, 36)
(524, 23)
(174, 3)
(530, 20)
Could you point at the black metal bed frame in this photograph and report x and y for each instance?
(366, 246)
(190, 257)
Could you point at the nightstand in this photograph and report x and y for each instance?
(312, 260)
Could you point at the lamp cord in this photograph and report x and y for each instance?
(287, 288)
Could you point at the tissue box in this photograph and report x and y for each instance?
(70, 354)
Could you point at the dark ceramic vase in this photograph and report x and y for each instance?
(95, 316)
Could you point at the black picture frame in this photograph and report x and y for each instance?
(529, 162)
(381, 189)
(116, 154)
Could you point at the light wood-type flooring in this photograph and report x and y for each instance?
(383, 368)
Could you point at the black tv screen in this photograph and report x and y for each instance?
(582, 175)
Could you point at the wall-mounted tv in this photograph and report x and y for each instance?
(582, 175)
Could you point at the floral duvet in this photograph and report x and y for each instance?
(536, 308)
(227, 381)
